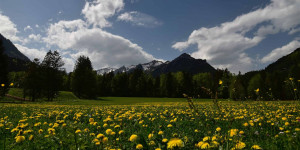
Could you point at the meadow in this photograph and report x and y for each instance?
(154, 124)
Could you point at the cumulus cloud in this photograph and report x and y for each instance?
(97, 12)
(282, 51)
(225, 45)
(103, 48)
(8, 28)
(27, 28)
(31, 52)
(139, 19)
(35, 37)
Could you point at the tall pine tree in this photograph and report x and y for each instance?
(84, 81)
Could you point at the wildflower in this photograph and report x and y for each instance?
(30, 137)
(108, 131)
(20, 139)
(241, 132)
(105, 140)
(169, 126)
(133, 138)
(157, 149)
(218, 129)
(246, 124)
(175, 142)
(200, 144)
(160, 133)
(206, 138)
(11, 84)
(121, 131)
(297, 129)
(233, 132)
(91, 120)
(78, 131)
(205, 146)
(220, 82)
(256, 147)
(2, 85)
(152, 143)
(150, 136)
(286, 123)
(100, 136)
(139, 146)
(240, 145)
(291, 79)
(164, 140)
(41, 131)
(284, 118)
(257, 90)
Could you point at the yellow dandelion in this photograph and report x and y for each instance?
(150, 136)
(139, 146)
(160, 133)
(256, 147)
(100, 136)
(108, 131)
(133, 138)
(30, 137)
(205, 146)
(20, 139)
(218, 129)
(240, 145)
(220, 82)
(78, 131)
(175, 143)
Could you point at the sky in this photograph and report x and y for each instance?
(241, 35)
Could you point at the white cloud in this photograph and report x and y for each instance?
(225, 45)
(35, 37)
(282, 51)
(27, 28)
(139, 19)
(97, 12)
(103, 48)
(31, 52)
(7, 28)
(37, 26)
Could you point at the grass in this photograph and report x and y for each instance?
(68, 98)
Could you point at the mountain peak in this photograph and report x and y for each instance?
(185, 55)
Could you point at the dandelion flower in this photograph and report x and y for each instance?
(20, 139)
(139, 146)
(220, 82)
(256, 147)
(175, 142)
(133, 138)
(240, 145)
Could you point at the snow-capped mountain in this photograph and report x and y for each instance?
(150, 66)
(184, 63)
(105, 70)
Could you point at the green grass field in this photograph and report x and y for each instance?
(68, 98)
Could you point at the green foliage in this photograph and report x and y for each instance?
(84, 80)
(4, 82)
(254, 84)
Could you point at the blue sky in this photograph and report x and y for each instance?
(238, 35)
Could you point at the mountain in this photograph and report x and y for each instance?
(147, 67)
(184, 63)
(11, 51)
(16, 60)
(285, 63)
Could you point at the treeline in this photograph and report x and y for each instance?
(44, 79)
